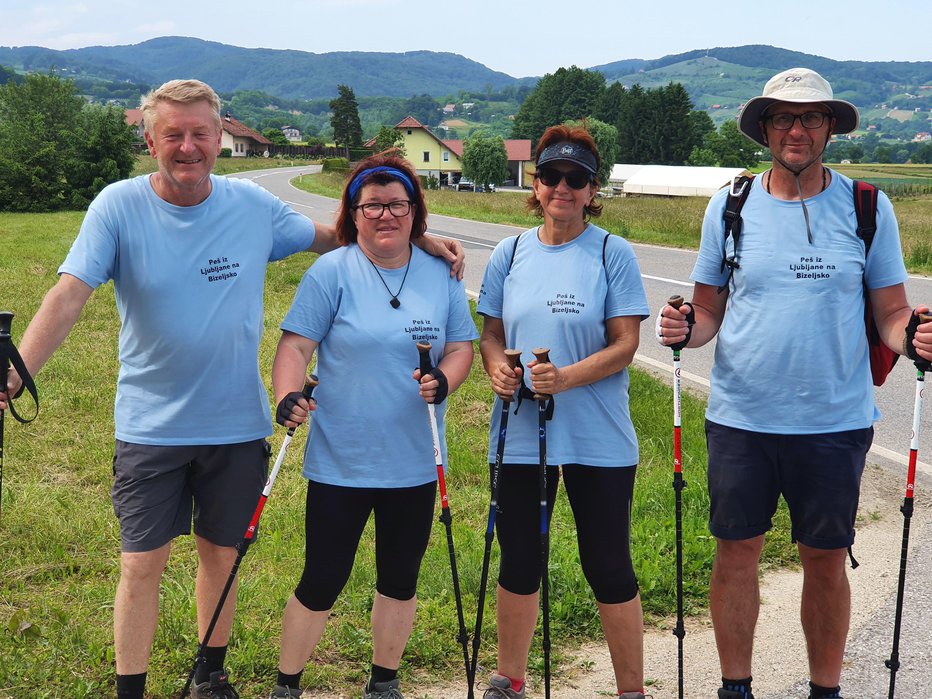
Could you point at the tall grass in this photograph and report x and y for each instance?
(60, 539)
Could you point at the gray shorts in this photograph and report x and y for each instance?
(157, 489)
(819, 476)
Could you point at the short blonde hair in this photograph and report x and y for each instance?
(183, 91)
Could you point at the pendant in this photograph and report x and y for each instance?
(395, 303)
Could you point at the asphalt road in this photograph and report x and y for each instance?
(666, 271)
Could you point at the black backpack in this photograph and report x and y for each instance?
(882, 358)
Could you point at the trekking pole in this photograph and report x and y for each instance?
(543, 357)
(310, 383)
(10, 355)
(511, 356)
(678, 484)
(893, 664)
(423, 349)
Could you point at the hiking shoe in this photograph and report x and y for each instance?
(217, 687)
(632, 695)
(728, 694)
(500, 688)
(382, 690)
(285, 692)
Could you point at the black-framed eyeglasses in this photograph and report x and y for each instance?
(398, 208)
(783, 121)
(576, 179)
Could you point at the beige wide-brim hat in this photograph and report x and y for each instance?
(799, 85)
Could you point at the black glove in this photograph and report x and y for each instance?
(691, 321)
(287, 404)
(922, 364)
(443, 388)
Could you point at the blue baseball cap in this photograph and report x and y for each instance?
(569, 152)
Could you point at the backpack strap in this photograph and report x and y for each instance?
(514, 249)
(865, 208)
(738, 193)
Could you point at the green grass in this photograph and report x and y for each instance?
(224, 166)
(60, 540)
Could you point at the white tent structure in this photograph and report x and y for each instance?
(680, 181)
(621, 172)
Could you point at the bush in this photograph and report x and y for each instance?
(226, 152)
(335, 165)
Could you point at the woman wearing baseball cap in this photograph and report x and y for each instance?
(575, 289)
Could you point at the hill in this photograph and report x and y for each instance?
(721, 79)
(282, 73)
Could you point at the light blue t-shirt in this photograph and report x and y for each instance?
(559, 296)
(371, 427)
(189, 284)
(792, 354)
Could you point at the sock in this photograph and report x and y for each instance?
(131, 686)
(516, 685)
(819, 692)
(214, 657)
(743, 687)
(381, 674)
(290, 681)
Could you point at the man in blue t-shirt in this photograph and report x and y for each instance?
(187, 252)
(791, 406)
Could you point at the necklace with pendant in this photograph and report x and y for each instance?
(394, 302)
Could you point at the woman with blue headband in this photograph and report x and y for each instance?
(363, 308)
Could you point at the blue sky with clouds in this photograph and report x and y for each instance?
(513, 36)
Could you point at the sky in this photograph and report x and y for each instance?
(516, 37)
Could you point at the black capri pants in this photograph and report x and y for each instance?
(334, 521)
(601, 501)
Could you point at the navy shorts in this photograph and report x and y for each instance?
(819, 476)
(157, 489)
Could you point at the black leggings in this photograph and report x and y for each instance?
(601, 502)
(334, 521)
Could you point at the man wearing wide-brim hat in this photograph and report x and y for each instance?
(791, 405)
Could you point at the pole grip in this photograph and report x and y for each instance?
(512, 356)
(675, 301)
(542, 354)
(425, 365)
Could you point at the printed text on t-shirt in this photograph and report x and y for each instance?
(219, 269)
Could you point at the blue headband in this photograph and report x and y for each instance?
(357, 182)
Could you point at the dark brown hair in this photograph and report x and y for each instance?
(573, 134)
(346, 225)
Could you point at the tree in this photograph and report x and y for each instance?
(276, 136)
(56, 152)
(347, 131)
(606, 140)
(731, 147)
(569, 93)
(37, 140)
(105, 153)
(389, 137)
(485, 160)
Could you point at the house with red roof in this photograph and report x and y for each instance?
(431, 155)
(240, 139)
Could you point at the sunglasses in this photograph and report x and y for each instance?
(576, 179)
